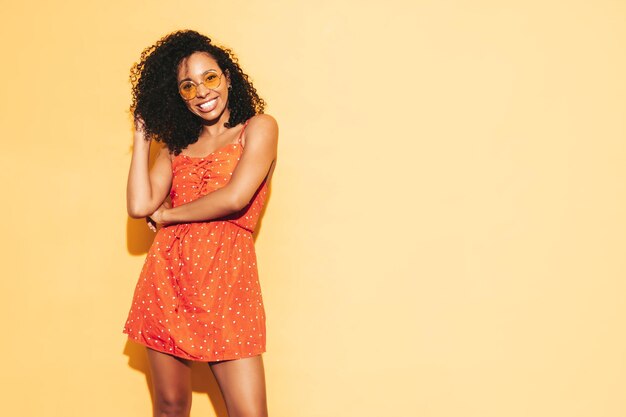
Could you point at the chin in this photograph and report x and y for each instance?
(210, 116)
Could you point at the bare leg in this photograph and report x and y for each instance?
(242, 382)
(171, 381)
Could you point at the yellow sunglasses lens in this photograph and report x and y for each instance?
(211, 80)
(187, 90)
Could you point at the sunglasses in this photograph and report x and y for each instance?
(210, 80)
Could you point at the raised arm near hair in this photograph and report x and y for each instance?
(147, 189)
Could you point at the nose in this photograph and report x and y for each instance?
(202, 91)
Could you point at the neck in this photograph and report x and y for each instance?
(215, 127)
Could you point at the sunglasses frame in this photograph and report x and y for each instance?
(196, 85)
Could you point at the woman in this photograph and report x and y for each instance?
(198, 297)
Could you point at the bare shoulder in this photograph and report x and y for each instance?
(263, 122)
(262, 128)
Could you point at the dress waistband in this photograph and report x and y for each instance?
(181, 229)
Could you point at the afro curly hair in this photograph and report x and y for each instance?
(155, 96)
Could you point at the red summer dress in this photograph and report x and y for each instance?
(198, 295)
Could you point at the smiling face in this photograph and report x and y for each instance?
(210, 104)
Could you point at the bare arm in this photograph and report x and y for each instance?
(259, 153)
(146, 190)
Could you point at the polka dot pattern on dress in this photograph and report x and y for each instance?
(198, 295)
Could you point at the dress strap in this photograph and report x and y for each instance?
(241, 133)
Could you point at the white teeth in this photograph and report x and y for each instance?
(208, 103)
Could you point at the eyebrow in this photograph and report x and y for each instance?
(189, 79)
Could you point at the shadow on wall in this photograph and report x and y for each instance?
(202, 379)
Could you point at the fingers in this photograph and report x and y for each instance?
(139, 123)
(140, 127)
(151, 224)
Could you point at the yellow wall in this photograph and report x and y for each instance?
(445, 235)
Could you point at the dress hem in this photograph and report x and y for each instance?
(194, 358)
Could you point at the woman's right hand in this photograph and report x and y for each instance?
(140, 131)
